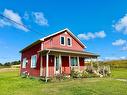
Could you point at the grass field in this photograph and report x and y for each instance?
(119, 73)
(12, 84)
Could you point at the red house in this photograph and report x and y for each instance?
(54, 54)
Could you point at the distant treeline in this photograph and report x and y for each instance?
(10, 63)
(116, 63)
(111, 63)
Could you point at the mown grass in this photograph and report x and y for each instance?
(119, 73)
(12, 84)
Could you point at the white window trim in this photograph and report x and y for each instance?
(77, 61)
(70, 41)
(60, 63)
(64, 40)
(42, 46)
(31, 61)
(24, 66)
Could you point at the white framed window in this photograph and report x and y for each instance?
(24, 63)
(33, 61)
(62, 40)
(74, 61)
(69, 41)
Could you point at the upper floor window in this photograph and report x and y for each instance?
(24, 63)
(69, 41)
(62, 40)
(33, 61)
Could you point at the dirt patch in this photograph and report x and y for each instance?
(122, 79)
(8, 69)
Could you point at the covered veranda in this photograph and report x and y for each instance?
(60, 54)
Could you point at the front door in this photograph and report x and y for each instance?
(57, 65)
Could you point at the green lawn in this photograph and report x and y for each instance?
(119, 73)
(12, 84)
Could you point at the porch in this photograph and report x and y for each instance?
(56, 61)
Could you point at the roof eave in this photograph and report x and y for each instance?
(34, 43)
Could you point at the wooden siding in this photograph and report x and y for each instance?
(54, 42)
(27, 54)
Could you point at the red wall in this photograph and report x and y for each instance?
(50, 66)
(54, 42)
(65, 64)
(27, 54)
(81, 62)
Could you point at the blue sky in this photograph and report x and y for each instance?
(100, 24)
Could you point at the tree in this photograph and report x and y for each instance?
(7, 64)
(1, 64)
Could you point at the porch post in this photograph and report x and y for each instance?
(70, 61)
(91, 62)
(78, 62)
(60, 63)
(41, 64)
(47, 63)
(97, 63)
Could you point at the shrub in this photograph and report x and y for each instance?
(88, 73)
(89, 69)
(92, 75)
(24, 74)
(75, 73)
(61, 76)
(85, 74)
(104, 72)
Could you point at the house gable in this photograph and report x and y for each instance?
(54, 41)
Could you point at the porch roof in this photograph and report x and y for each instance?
(70, 52)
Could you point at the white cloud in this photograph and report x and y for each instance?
(114, 58)
(40, 19)
(119, 42)
(89, 35)
(123, 57)
(100, 34)
(124, 48)
(13, 16)
(121, 25)
(111, 58)
(4, 23)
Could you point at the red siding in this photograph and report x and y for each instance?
(50, 66)
(54, 42)
(27, 54)
(81, 62)
(65, 65)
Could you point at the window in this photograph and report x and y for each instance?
(74, 61)
(33, 61)
(24, 63)
(57, 63)
(69, 41)
(62, 40)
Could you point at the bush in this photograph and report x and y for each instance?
(61, 76)
(104, 72)
(85, 74)
(75, 73)
(89, 69)
(24, 74)
(93, 75)
(88, 73)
